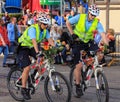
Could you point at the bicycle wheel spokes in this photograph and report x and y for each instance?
(14, 90)
(103, 91)
(62, 89)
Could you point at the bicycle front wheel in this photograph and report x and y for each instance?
(103, 90)
(15, 91)
(62, 92)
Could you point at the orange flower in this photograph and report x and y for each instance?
(46, 47)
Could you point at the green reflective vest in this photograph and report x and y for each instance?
(80, 29)
(25, 39)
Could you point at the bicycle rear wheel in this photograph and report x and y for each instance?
(14, 90)
(103, 91)
(72, 82)
(62, 92)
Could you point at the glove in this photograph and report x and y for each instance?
(39, 54)
(74, 36)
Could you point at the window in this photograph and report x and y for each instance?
(115, 1)
(99, 1)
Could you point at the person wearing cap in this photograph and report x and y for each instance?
(83, 38)
(29, 47)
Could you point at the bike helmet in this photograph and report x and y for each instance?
(94, 10)
(44, 19)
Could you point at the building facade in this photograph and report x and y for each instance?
(109, 13)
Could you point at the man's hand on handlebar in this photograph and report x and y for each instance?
(39, 56)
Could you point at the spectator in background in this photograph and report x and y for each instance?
(27, 14)
(111, 39)
(72, 13)
(13, 34)
(21, 21)
(35, 16)
(21, 25)
(6, 18)
(65, 40)
(4, 42)
(84, 4)
(59, 18)
(52, 20)
(30, 20)
(54, 34)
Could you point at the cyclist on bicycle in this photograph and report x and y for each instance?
(29, 47)
(82, 35)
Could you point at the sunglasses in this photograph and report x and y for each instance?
(93, 15)
(44, 24)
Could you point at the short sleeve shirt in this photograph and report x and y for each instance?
(75, 20)
(32, 33)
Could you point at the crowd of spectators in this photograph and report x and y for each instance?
(11, 29)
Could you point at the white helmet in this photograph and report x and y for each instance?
(44, 19)
(94, 10)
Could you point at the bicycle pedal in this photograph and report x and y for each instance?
(85, 88)
(33, 92)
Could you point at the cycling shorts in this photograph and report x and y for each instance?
(24, 56)
(76, 48)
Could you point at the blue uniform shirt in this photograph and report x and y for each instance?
(32, 33)
(75, 19)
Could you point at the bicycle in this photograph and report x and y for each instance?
(56, 86)
(91, 69)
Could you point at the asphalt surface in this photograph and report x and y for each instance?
(112, 73)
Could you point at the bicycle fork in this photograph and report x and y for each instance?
(96, 78)
(52, 82)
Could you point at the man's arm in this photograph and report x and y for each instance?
(69, 26)
(72, 21)
(35, 45)
(104, 38)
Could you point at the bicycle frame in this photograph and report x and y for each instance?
(47, 67)
(95, 69)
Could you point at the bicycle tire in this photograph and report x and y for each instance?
(14, 90)
(103, 88)
(50, 94)
(72, 82)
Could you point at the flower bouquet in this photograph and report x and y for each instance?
(48, 51)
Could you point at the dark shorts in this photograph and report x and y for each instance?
(91, 46)
(24, 56)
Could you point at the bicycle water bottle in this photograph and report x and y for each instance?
(57, 81)
(88, 76)
(37, 79)
(36, 75)
(84, 67)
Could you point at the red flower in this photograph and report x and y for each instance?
(46, 43)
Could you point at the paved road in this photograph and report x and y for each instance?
(112, 73)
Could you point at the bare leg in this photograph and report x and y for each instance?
(77, 73)
(25, 76)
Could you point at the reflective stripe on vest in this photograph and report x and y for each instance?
(25, 39)
(80, 29)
